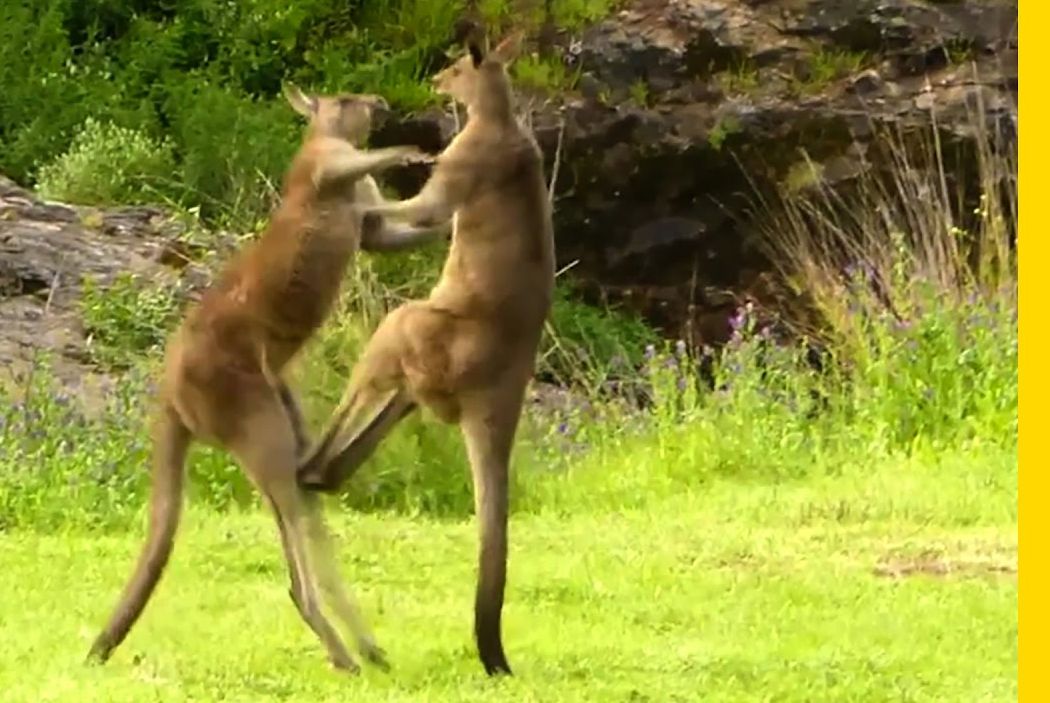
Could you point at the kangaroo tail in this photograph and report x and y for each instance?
(171, 444)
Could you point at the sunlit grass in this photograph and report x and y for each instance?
(892, 582)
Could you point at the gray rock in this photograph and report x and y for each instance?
(654, 197)
(46, 251)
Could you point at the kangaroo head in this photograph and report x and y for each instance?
(479, 79)
(347, 116)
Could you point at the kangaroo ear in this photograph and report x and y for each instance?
(300, 102)
(476, 54)
(509, 48)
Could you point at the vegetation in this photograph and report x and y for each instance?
(726, 126)
(770, 529)
(140, 85)
(549, 74)
(890, 582)
(126, 319)
(742, 77)
(826, 66)
(639, 92)
(135, 166)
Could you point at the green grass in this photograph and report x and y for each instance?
(742, 77)
(734, 591)
(829, 65)
(544, 74)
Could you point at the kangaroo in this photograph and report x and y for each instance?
(468, 351)
(222, 384)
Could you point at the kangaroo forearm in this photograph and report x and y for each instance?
(358, 164)
(424, 210)
(398, 237)
(377, 160)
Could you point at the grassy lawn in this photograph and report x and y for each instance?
(893, 583)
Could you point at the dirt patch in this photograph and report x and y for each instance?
(936, 563)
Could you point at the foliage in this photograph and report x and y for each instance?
(726, 126)
(639, 92)
(829, 65)
(741, 77)
(198, 83)
(126, 318)
(588, 345)
(539, 73)
(107, 164)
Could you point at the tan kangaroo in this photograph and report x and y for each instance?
(222, 383)
(468, 351)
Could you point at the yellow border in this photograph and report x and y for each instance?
(1033, 257)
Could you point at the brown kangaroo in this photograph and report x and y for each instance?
(468, 351)
(222, 382)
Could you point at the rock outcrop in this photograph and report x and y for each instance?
(683, 107)
(46, 251)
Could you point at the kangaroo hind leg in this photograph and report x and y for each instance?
(374, 403)
(267, 451)
(340, 599)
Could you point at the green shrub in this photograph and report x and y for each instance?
(549, 74)
(107, 164)
(234, 150)
(914, 287)
(127, 318)
(588, 345)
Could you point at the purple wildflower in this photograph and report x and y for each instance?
(737, 320)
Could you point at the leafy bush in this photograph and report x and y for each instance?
(205, 77)
(107, 164)
(234, 149)
(126, 318)
(549, 74)
(590, 345)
